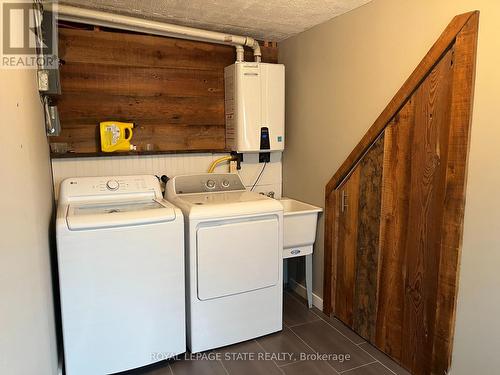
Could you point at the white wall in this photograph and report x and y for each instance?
(340, 76)
(27, 333)
(170, 165)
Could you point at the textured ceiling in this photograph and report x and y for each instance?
(272, 20)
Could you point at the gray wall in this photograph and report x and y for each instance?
(340, 76)
(27, 334)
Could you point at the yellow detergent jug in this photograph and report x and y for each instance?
(114, 136)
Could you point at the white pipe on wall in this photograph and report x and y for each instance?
(105, 19)
(240, 53)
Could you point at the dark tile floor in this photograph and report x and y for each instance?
(307, 334)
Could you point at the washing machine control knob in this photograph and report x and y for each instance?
(210, 184)
(112, 185)
(225, 183)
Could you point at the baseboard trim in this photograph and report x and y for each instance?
(301, 291)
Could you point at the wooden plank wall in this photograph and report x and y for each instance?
(420, 166)
(394, 228)
(394, 223)
(172, 89)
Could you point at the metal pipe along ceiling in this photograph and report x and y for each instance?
(105, 19)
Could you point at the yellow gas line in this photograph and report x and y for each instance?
(218, 161)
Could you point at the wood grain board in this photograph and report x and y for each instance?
(367, 249)
(428, 153)
(357, 238)
(394, 229)
(331, 235)
(462, 98)
(395, 257)
(171, 89)
(347, 237)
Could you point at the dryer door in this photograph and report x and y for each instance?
(237, 256)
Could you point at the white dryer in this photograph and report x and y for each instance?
(234, 244)
(120, 250)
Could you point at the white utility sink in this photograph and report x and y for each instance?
(299, 233)
(299, 227)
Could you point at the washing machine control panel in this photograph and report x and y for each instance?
(95, 186)
(122, 185)
(208, 182)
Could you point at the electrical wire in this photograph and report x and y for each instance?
(258, 177)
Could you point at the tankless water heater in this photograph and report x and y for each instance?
(255, 107)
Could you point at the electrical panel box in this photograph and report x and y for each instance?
(255, 107)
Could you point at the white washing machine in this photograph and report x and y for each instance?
(120, 252)
(234, 243)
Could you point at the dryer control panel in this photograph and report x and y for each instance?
(207, 183)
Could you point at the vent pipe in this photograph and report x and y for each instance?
(105, 19)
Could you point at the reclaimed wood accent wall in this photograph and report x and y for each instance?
(394, 211)
(172, 89)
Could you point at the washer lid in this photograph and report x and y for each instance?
(117, 214)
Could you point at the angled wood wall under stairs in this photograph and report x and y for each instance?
(394, 211)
